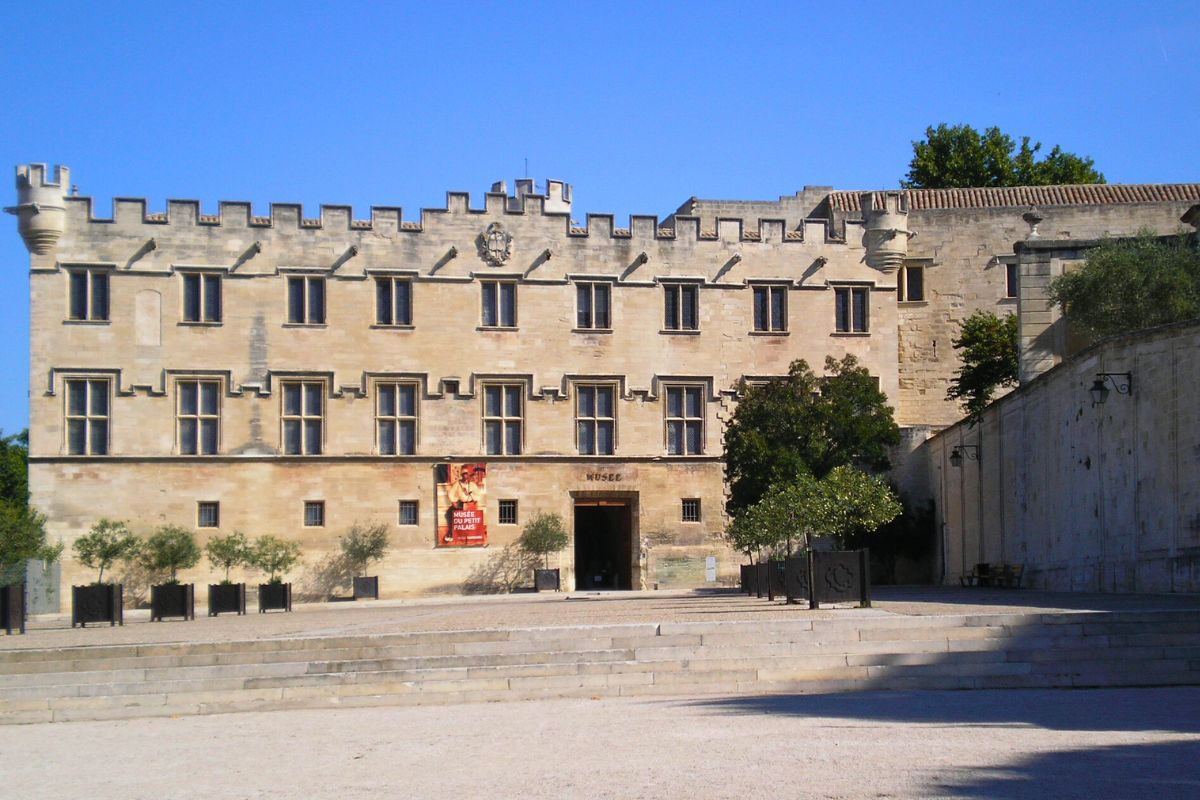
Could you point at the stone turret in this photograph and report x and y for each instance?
(40, 211)
(885, 229)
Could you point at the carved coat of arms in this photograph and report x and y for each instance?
(495, 244)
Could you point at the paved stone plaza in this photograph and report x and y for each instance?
(565, 609)
(1126, 743)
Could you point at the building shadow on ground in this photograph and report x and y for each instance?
(1158, 770)
(1175, 709)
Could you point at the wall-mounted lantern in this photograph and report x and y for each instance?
(969, 451)
(1121, 381)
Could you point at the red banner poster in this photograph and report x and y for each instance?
(461, 496)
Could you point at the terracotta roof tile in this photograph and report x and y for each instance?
(1021, 196)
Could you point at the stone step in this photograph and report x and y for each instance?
(857, 652)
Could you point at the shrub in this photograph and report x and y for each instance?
(543, 535)
(227, 552)
(170, 549)
(106, 543)
(364, 544)
(274, 556)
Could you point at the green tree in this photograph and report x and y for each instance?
(274, 556)
(784, 513)
(364, 544)
(22, 538)
(848, 501)
(1130, 284)
(804, 423)
(989, 360)
(108, 542)
(22, 528)
(543, 535)
(227, 552)
(958, 156)
(748, 532)
(14, 468)
(168, 550)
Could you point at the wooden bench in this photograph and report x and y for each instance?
(1007, 576)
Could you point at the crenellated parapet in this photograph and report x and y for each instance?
(549, 211)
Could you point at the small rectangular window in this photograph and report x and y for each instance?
(499, 300)
(88, 295)
(851, 306)
(681, 307)
(1012, 285)
(87, 417)
(201, 297)
(770, 308)
(306, 300)
(393, 301)
(685, 420)
(910, 286)
(508, 512)
(303, 417)
(503, 412)
(595, 420)
(396, 418)
(408, 512)
(691, 509)
(314, 513)
(208, 514)
(198, 417)
(592, 306)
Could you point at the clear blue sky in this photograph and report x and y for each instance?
(638, 105)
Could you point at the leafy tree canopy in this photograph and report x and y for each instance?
(227, 552)
(989, 355)
(958, 156)
(22, 537)
(106, 543)
(364, 544)
(1130, 284)
(14, 468)
(22, 529)
(805, 423)
(849, 502)
(543, 535)
(274, 556)
(846, 503)
(170, 549)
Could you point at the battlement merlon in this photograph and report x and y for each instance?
(41, 207)
(388, 220)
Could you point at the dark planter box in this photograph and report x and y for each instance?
(12, 608)
(274, 597)
(104, 602)
(224, 598)
(546, 580)
(366, 588)
(172, 600)
(841, 576)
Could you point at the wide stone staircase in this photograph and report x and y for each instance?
(859, 651)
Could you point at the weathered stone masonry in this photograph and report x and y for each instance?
(844, 257)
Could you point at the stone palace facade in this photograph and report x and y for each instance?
(454, 375)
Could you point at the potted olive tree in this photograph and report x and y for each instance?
(168, 550)
(227, 552)
(361, 546)
(22, 538)
(275, 557)
(543, 535)
(108, 542)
